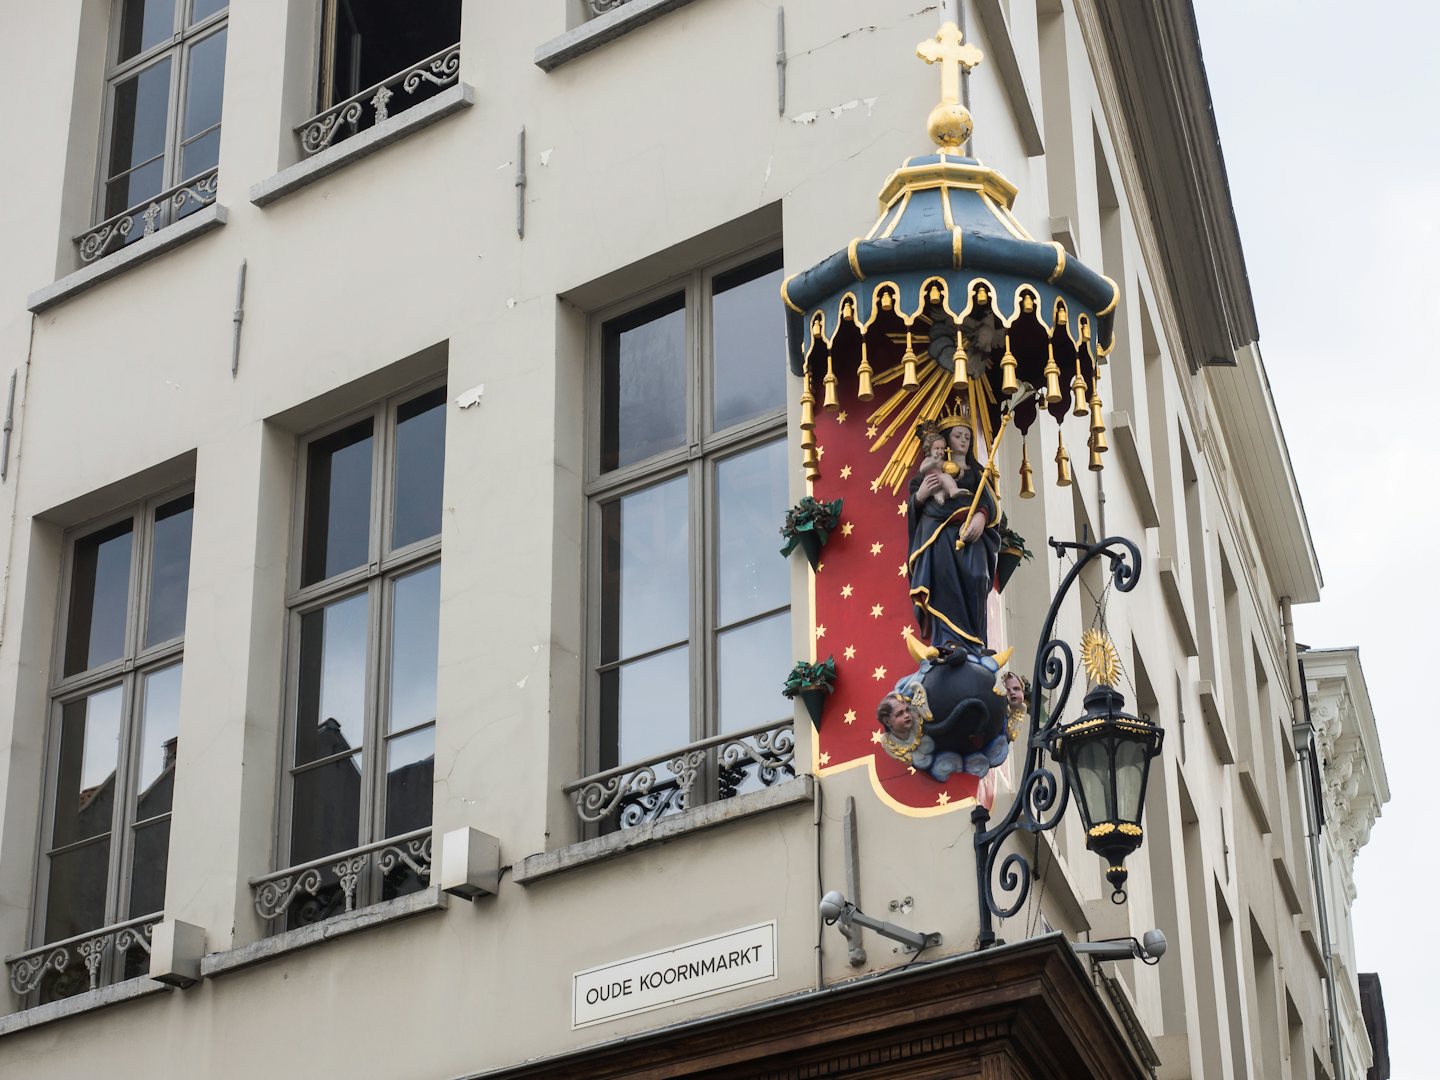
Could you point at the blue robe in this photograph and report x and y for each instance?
(949, 588)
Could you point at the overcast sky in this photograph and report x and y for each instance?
(1327, 120)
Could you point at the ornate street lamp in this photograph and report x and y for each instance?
(1104, 755)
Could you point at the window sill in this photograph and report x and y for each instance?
(99, 998)
(141, 251)
(303, 173)
(289, 941)
(791, 793)
(596, 32)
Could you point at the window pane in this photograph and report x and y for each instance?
(645, 708)
(145, 23)
(749, 342)
(643, 383)
(419, 468)
(148, 862)
(99, 598)
(331, 714)
(203, 9)
(142, 108)
(414, 648)
(76, 900)
(158, 742)
(205, 85)
(132, 189)
(89, 750)
(195, 158)
(644, 575)
(750, 502)
(326, 810)
(169, 571)
(753, 661)
(337, 503)
(409, 780)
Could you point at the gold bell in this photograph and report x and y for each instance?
(1060, 316)
(1080, 407)
(867, 391)
(962, 364)
(1008, 382)
(1027, 303)
(1052, 379)
(982, 295)
(1097, 419)
(910, 382)
(1062, 465)
(831, 401)
(1027, 474)
(1084, 328)
(1096, 463)
(807, 417)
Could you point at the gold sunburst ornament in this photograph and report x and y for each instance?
(1097, 653)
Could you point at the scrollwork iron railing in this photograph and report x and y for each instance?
(633, 794)
(166, 208)
(108, 948)
(336, 878)
(600, 7)
(438, 70)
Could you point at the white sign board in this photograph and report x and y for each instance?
(694, 970)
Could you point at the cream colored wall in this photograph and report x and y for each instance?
(664, 135)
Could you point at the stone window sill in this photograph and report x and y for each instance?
(303, 173)
(99, 998)
(790, 793)
(141, 251)
(596, 32)
(289, 941)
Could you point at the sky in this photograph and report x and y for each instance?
(1326, 119)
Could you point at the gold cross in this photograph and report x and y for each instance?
(945, 49)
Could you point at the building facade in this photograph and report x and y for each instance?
(392, 633)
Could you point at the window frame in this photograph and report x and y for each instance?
(697, 458)
(375, 579)
(179, 45)
(128, 673)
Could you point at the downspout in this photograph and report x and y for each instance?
(1303, 732)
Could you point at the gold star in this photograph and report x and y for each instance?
(846, 591)
(820, 631)
(849, 652)
(900, 510)
(870, 431)
(847, 528)
(819, 567)
(902, 569)
(876, 548)
(876, 737)
(845, 472)
(943, 798)
(879, 673)
(849, 716)
(874, 486)
(876, 611)
(824, 759)
(911, 770)
(841, 417)
(819, 452)
(905, 631)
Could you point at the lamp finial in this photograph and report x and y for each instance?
(950, 124)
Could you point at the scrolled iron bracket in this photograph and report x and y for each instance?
(1044, 793)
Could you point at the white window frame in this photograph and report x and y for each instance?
(376, 578)
(128, 672)
(178, 46)
(697, 458)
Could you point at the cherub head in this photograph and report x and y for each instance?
(896, 716)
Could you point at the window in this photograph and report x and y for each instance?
(690, 600)
(163, 95)
(378, 57)
(364, 641)
(115, 712)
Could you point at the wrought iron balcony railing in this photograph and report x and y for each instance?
(439, 70)
(600, 7)
(338, 877)
(166, 208)
(107, 955)
(742, 761)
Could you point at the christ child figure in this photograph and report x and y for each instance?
(935, 459)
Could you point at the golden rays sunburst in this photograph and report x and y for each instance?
(1097, 653)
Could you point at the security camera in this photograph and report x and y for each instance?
(834, 908)
(1149, 950)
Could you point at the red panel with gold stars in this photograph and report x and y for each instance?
(863, 613)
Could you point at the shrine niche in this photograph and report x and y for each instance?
(928, 350)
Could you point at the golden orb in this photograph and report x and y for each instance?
(950, 126)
